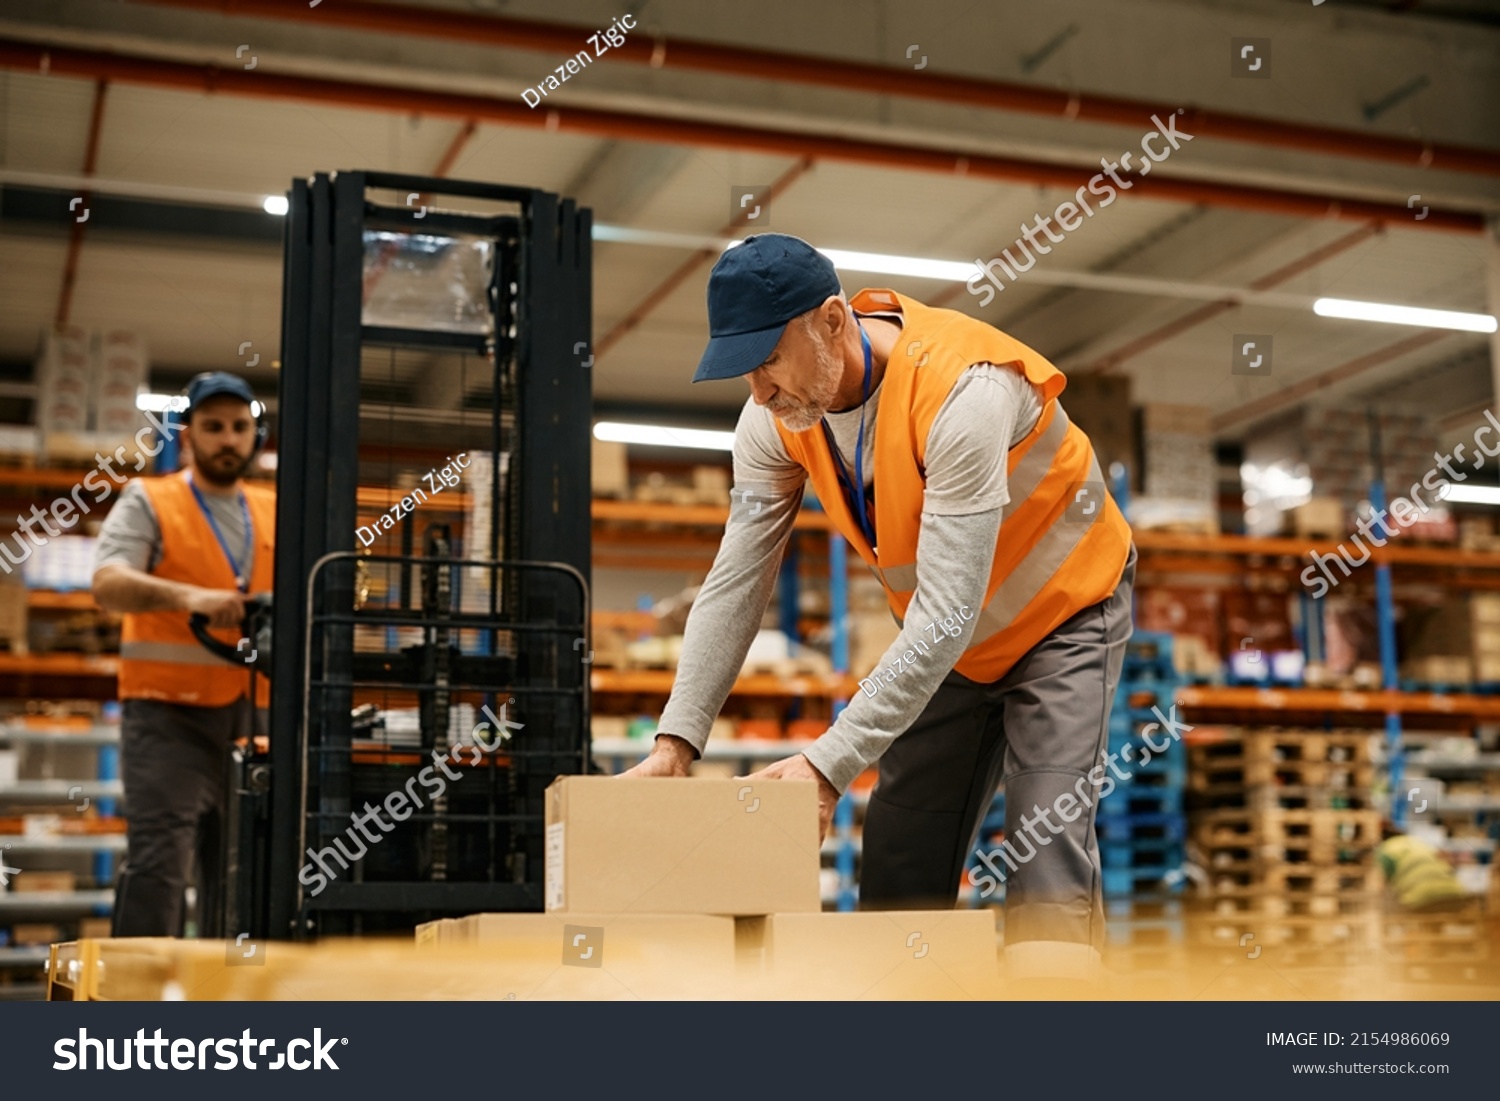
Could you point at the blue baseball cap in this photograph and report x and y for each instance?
(211, 384)
(753, 291)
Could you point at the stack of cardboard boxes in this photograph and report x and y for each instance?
(1178, 472)
(1456, 643)
(709, 888)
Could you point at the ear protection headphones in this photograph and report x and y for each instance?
(210, 384)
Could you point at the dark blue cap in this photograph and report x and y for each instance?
(753, 291)
(211, 384)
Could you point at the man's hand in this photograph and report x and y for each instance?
(670, 756)
(800, 768)
(224, 607)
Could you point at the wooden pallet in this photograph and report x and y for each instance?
(1301, 879)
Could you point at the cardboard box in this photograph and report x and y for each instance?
(711, 484)
(681, 846)
(877, 955)
(1320, 518)
(34, 933)
(36, 882)
(598, 956)
(870, 635)
(608, 470)
(1100, 406)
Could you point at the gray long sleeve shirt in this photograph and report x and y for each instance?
(989, 410)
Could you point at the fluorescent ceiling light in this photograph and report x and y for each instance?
(1404, 315)
(661, 436)
(881, 263)
(275, 204)
(1472, 495)
(161, 403)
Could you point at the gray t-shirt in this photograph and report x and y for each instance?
(989, 410)
(131, 536)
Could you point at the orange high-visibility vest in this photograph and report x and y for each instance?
(1050, 563)
(159, 657)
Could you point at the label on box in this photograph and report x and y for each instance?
(554, 868)
(41, 827)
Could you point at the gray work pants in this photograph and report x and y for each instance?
(1039, 729)
(175, 762)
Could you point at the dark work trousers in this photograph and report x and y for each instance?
(175, 762)
(1039, 729)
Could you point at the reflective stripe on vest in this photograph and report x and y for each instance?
(176, 653)
(1023, 482)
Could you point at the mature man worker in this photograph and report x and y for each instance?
(200, 540)
(943, 423)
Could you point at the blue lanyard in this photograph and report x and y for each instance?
(856, 491)
(240, 579)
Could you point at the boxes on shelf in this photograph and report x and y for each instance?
(1320, 518)
(1462, 627)
(1184, 515)
(1262, 617)
(762, 729)
(609, 472)
(875, 955)
(1180, 612)
(1477, 533)
(14, 612)
(63, 563)
(870, 635)
(37, 882)
(658, 489)
(711, 484)
(63, 383)
(119, 376)
(1436, 525)
(1100, 406)
(30, 934)
(681, 846)
(1439, 669)
(19, 443)
(1177, 455)
(608, 726)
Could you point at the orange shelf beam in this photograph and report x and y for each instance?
(1486, 708)
(658, 682)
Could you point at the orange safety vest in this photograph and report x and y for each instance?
(159, 657)
(1050, 563)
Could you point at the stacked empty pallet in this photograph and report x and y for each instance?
(1284, 825)
(1140, 821)
(1442, 945)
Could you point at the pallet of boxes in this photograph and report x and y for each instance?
(655, 889)
(699, 888)
(1283, 823)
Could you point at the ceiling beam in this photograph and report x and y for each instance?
(22, 55)
(660, 52)
(75, 237)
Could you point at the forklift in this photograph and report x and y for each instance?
(428, 614)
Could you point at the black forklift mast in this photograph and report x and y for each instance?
(480, 846)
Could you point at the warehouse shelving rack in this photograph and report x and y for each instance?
(1397, 707)
(102, 788)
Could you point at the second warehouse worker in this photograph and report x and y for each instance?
(200, 540)
(917, 427)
